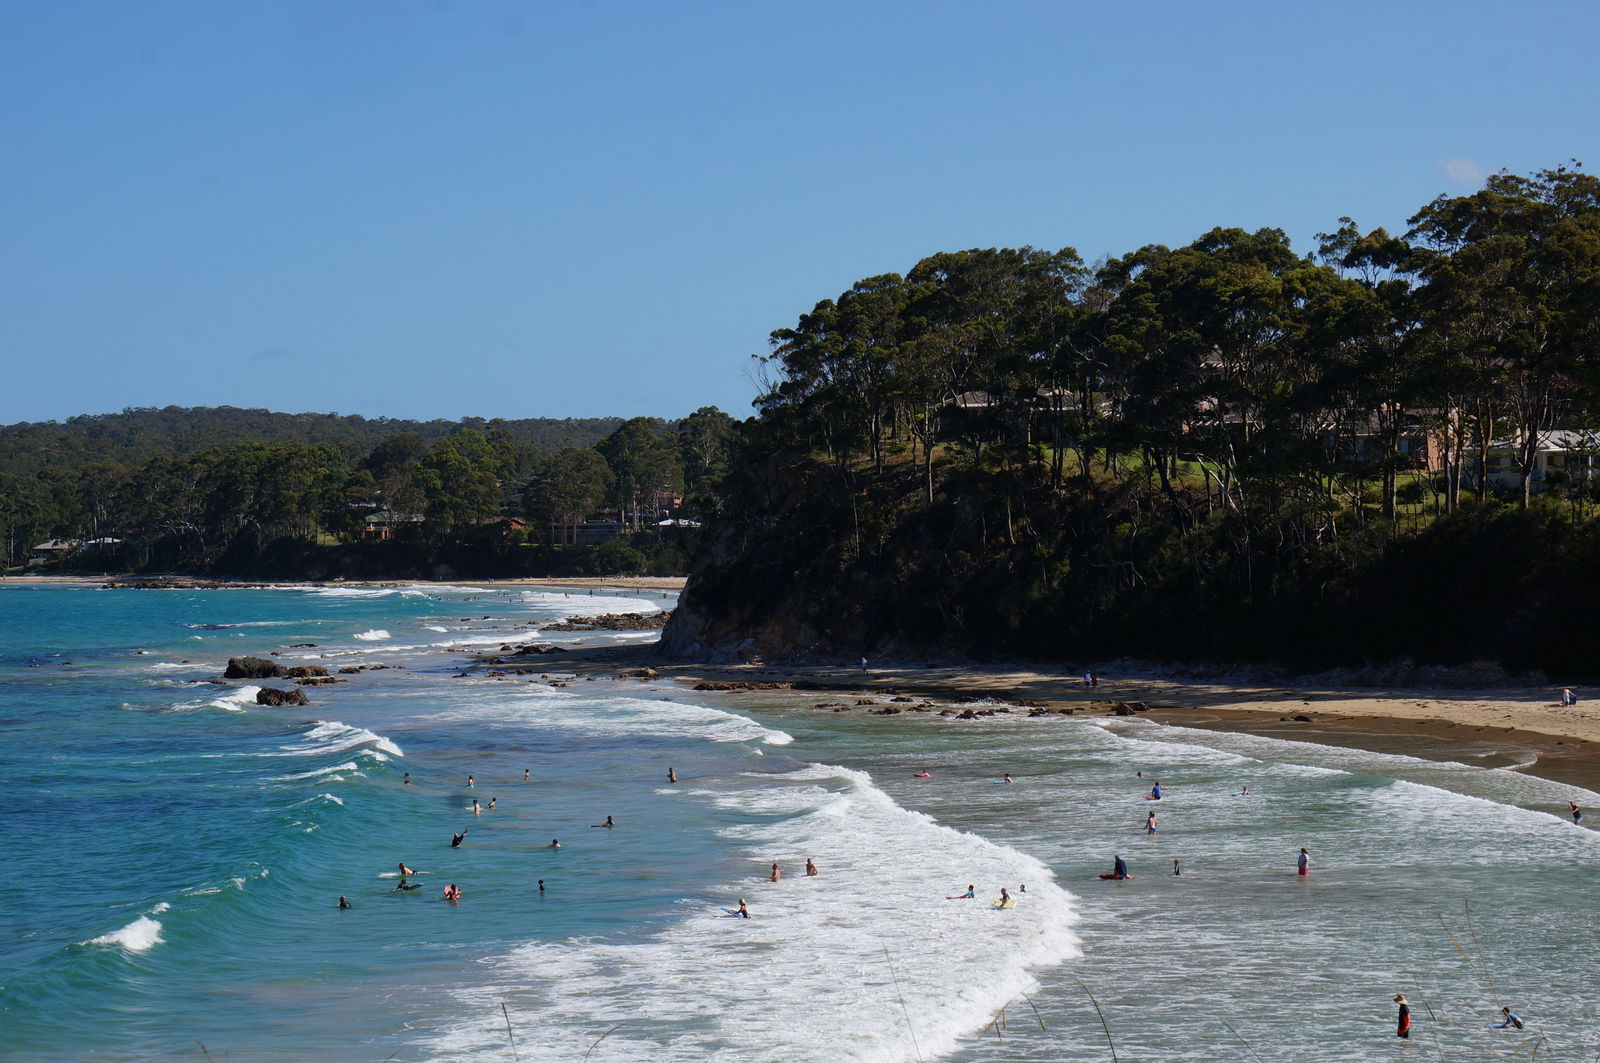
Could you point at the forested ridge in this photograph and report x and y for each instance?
(254, 493)
(1223, 450)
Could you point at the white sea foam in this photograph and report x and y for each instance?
(831, 957)
(348, 765)
(376, 634)
(618, 716)
(435, 627)
(335, 736)
(233, 701)
(141, 934)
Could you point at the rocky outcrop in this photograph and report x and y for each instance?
(273, 697)
(306, 671)
(614, 622)
(254, 668)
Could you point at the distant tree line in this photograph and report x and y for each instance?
(1208, 449)
(232, 491)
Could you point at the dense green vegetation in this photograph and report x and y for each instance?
(1223, 450)
(253, 493)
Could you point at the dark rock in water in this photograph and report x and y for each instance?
(254, 668)
(1302, 719)
(351, 670)
(305, 671)
(274, 697)
(638, 673)
(319, 680)
(613, 622)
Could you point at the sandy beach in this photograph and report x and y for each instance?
(1524, 728)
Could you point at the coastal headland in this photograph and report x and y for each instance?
(1521, 726)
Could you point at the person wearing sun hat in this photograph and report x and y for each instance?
(1403, 1020)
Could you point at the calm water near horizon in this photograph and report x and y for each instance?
(176, 854)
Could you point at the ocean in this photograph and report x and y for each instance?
(176, 854)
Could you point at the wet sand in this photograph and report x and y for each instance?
(1516, 727)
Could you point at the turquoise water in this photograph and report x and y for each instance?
(176, 853)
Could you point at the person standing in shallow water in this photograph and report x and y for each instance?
(811, 868)
(672, 776)
(1402, 1022)
(1302, 863)
(776, 874)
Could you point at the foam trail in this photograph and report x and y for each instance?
(138, 936)
(335, 736)
(621, 717)
(376, 634)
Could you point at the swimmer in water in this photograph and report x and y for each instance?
(744, 909)
(541, 885)
(1008, 779)
(1302, 863)
(492, 800)
(776, 874)
(525, 775)
(452, 893)
(1150, 824)
(1119, 868)
(607, 823)
(967, 896)
(1005, 897)
(476, 811)
(1577, 813)
(407, 779)
(1176, 870)
(404, 870)
(672, 776)
(342, 902)
(1155, 791)
(811, 868)
(457, 839)
(404, 885)
(469, 782)
(554, 844)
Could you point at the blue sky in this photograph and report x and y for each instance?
(441, 209)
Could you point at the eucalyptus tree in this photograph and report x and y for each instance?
(459, 479)
(1513, 290)
(643, 458)
(1376, 380)
(706, 442)
(566, 488)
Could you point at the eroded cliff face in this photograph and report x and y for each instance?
(734, 607)
(772, 599)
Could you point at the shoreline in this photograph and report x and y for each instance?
(631, 583)
(1503, 727)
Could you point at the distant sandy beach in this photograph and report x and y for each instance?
(630, 583)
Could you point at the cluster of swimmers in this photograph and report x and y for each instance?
(452, 892)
